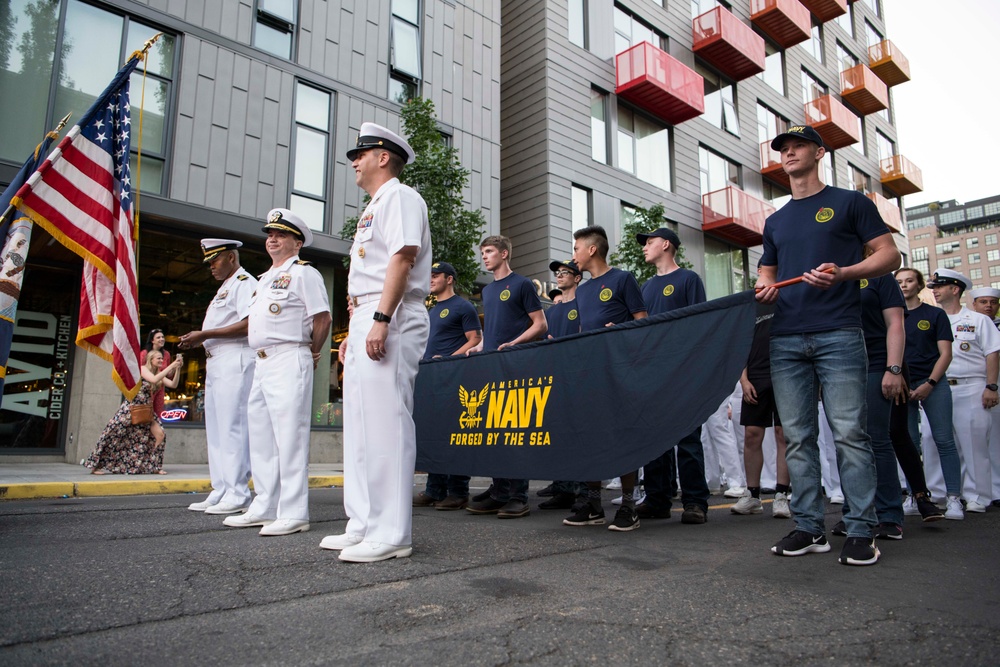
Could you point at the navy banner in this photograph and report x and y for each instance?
(585, 407)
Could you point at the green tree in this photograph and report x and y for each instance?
(629, 255)
(438, 175)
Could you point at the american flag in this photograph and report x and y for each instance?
(82, 195)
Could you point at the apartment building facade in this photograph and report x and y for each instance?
(963, 237)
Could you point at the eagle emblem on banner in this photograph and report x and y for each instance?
(471, 401)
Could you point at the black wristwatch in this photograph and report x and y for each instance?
(894, 369)
(992, 387)
(381, 317)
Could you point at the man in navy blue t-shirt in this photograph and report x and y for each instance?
(454, 331)
(512, 314)
(816, 339)
(610, 297)
(673, 287)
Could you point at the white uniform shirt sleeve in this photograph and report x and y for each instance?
(244, 291)
(313, 292)
(401, 218)
(986, 332)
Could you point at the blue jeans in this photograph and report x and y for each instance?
(440, 486)
(505, 490)
(657, 475)
(938, 408)
(837, 361)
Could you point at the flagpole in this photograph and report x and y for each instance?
(53, 134)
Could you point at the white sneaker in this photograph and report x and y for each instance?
(615, 484)
(246, 520)
(747, 504)
(202, 506)
(226, 508)
(974, 506)
(735, 491)
(780, 509)
(338, 542)
(910, 507)
(954, 511)
(837, 499)
(284, 527)
(371, 552)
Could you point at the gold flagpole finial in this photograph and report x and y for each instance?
(62, 123)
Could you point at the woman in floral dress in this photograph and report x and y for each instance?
(132, 449)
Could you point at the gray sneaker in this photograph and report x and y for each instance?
(747, 504)
(780, 508)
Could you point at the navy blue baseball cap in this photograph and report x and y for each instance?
(663, 233)
(567, 264)
(445, 268)
(807, 132)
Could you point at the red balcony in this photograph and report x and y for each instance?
(835, 123)
(786, 21)
(659, 83)
(889, 212)
(770, 165)
(826, 10)
(735, 216)
(864, 91)
(888, 63)
(901, 176)
(728, 44)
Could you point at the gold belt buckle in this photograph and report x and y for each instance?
(262, 354)
(354, 301)
(952, 382)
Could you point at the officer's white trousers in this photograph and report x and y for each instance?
(228, 378)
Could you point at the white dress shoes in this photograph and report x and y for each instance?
(338, 542)
(202, 506)
(284, 527)
(371, 552)
(246, 520)
(225, 508)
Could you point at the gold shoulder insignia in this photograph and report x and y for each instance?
(302, 262)
(242, 276)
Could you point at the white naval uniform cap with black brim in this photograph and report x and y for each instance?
(984, 291)
(376, 136)
(287, 221)
(949, 277)
(213, 247)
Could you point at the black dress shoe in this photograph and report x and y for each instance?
(484, 495)
(560, 501)
(487, 506)
(645, 511)
(549, 490)
(514, 509)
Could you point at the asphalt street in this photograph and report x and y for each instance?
(140, 580)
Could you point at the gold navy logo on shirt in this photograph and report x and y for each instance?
(923, 325)
(668, 290)
(864, 283)
(606, 294)
(504, 295)
(444, 313)
(572, 315)
(824, 215)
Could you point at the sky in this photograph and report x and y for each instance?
(948, 114)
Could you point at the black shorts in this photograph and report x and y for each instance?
(764, 414)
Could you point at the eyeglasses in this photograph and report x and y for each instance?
(563, 272)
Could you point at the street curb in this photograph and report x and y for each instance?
(129, 488)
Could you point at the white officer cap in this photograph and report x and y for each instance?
(376, 136)
(949, 277)
(212, 247)
(984, 291)
(287, 221)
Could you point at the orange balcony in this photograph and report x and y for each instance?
(864, 91)
(889, 212)
(728, 44)
(786, 21)
(662, 85)
(888, 63)
(735, 216)
(901, 176)
(826, 10)
(835, 123)
(770, 165)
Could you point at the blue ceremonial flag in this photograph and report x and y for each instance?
(15, 231)
(589, 406)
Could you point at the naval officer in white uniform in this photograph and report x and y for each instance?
(289, 325)
(228, 375)
(388, 281)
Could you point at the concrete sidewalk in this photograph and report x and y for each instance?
(65, 480)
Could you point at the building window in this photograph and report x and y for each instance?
(815, 44)
(923, 267)
(991, 239)
(829, 171)
(404, 53)
(699, 7)
(310, 162)
(953, 262)
(925, 235)
(993, 255)
(974, 258)
(578, 23)
(860, 181)
(975, 274)
(845, 59)
(845, 22)
(778, 196)
(630, 31)
(972, 242)
(991, 209)
(774, 68)
(874, 6)
(951, 217)
(580, 206)
(275, 28)
(872, 35)
(720, 101)
(919, 253)
(598, 126)
(716, 171)
(994, 271)
(886, 146)
(643, 148)
(725, 268)
(769, 124)
(812, 88)
(95, 43)
(947, 247)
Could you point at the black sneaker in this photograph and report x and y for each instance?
(694, 514)
(549, 490)
(928, 510)
(800, 543)
(626, 519)
(839, 529)
(514, 509)
(585, 516)
(482, 496)
(645, 511)
(859, 551)
(487, 506)
(888, 531)
(560, 501)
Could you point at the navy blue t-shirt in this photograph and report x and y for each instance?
(877, 294)
(507, 304)
(450, 320)
(614, 297)
(830, 226)
(925, 325)
(563, 319)
(677, 289)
